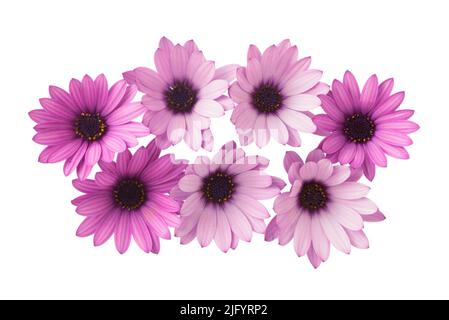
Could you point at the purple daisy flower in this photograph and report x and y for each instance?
(184, 93)
(364, 126)
(129, 198)
(221, 198)
(275, 93)
(325, 205)
(90, 123)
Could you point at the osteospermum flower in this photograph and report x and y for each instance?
(274, 93)
(129, 198)
(221, 198)
(364, 127)
(325, 205)
(184, 93)
(89, 123)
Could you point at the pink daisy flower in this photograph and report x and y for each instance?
(364, 126)
(325, 205)
(89, 123)
(275, 94)
(184, 93)
(129, 198)
(221, 198)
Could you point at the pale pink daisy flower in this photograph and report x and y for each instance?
(275, 93)
(183, 95)
(363, 127)
(88, 124)
(325, 205)
(129, 198)
(221, 198)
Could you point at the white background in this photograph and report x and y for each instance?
(49, 42)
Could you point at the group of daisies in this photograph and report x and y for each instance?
(142, 195)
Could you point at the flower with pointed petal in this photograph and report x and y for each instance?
(325, 205)
(183, 95)
(130, 198)
(363, 127)
(275, 93)
(88, 124)
(221, 198)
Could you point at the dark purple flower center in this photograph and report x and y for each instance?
(90, 126)
(267, 98)
(313, 196)
(218, 187)
(359, 128)
(181, 97)
(129, 194)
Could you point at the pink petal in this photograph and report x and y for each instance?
(272, 231)
(320, 242)
(123, 233)
(204, 74)
(226, 72)
(325, 170)
(176, 128)
(262, 135)
(389, 105)
(254, 72)
(308, 171)
(376, 154)
(89, 225)
(238, 222)
(75, 159)
(223, 235)
(115, 95)
(324, 122)
(209, 108)
(349, 190)
(213, 90)
(302, 82)
(107, 227)
(178, 60)
(207, 226)
(369, 94)
(93, 153)
(329, 106)
(347, 153)
(277, 128)
(253, 179)
(342, 97)
(190, 183)
(358, 239)
(302, 235)
(250, 207)
(297, 120)
(334, 143)
(284, 203)
(335, 233)
(162, 62)
(339, 175)
(394, 138)
(362, 205)
(346, 216)
(238, 94)
(140, 232)
(194, 203)
(350, 83)
(290, 158)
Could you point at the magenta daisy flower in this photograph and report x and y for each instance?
(221, 198)
(275, 94)
(129, 198)
(325, 205)
(184, 93)
(90, 123)
(364, 127)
